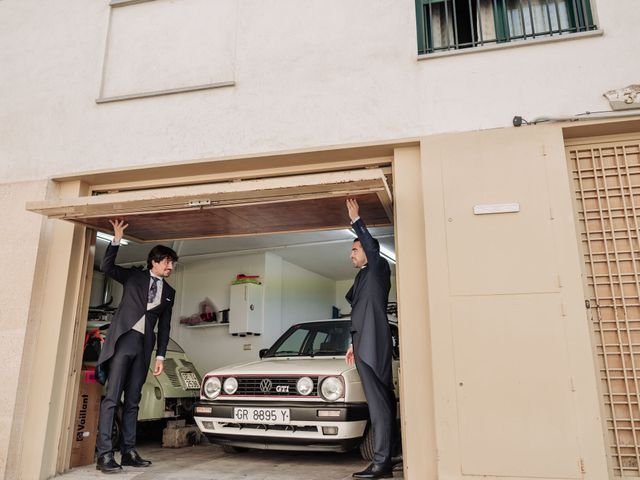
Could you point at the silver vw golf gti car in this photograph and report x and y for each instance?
(300, 395)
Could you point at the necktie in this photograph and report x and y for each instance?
(153, 289)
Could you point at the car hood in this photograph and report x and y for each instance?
(287, 366)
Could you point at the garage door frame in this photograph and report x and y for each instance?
(53, 376)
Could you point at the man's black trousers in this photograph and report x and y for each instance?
(382, 411)
(127, 373)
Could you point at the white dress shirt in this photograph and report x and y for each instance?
(139, 326)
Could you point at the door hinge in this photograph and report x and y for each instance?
(581, 462)
(587, 304)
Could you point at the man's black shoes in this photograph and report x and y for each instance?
(375, 471)
(132, 459)
(107, 464)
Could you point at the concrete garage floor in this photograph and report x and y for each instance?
(207, 461)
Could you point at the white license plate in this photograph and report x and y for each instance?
(190, 380)
(272, 416)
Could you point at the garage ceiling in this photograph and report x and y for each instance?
(324, 252)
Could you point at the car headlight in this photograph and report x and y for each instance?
(230, 386)
(212, 387)
(304, 386)
(332, 389)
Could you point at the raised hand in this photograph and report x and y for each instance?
(353, 208)
(118, 229)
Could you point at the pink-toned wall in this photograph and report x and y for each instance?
(19, 234)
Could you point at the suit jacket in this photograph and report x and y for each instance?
(368, 297)
(134, 305)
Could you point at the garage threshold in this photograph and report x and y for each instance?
(208, 461)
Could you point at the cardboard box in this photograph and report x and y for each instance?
(85, 428)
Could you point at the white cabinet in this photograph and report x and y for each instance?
(245, 309)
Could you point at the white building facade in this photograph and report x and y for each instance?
(142, 92)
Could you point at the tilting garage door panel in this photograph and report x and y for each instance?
(303, 215)
(269, 205)
(310, 213)
(606, 179)
(296, 187)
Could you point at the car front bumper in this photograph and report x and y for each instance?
(306, 430)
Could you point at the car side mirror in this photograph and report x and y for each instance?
(263, 352)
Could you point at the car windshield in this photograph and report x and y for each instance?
(313, 339)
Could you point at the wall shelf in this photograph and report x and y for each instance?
(206, 325)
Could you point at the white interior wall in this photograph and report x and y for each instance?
(305, 295)
(291, 294)
(211, 347)
(273, 298)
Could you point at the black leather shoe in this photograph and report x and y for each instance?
(107, 464)
(375, 471)
(132, 459)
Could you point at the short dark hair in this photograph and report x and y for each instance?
(159, 253)
(375, 242)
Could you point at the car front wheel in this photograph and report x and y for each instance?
(366, 447)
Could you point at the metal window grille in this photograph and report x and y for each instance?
(606, 181)
(171, 370)
(456, 24)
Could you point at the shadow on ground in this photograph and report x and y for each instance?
(207, 461)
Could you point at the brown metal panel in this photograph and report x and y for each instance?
(272, 205)
(318, 214)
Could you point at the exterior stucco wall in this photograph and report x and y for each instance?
(312, 75)
(19, 232)
(306, 74)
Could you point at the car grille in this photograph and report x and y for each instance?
(284, 428)
(279, 386)
(171, 369)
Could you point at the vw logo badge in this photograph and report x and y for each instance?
(265, 385)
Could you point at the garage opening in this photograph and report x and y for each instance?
(282, 241)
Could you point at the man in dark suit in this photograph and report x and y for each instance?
(147, 300)
(371, 347)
